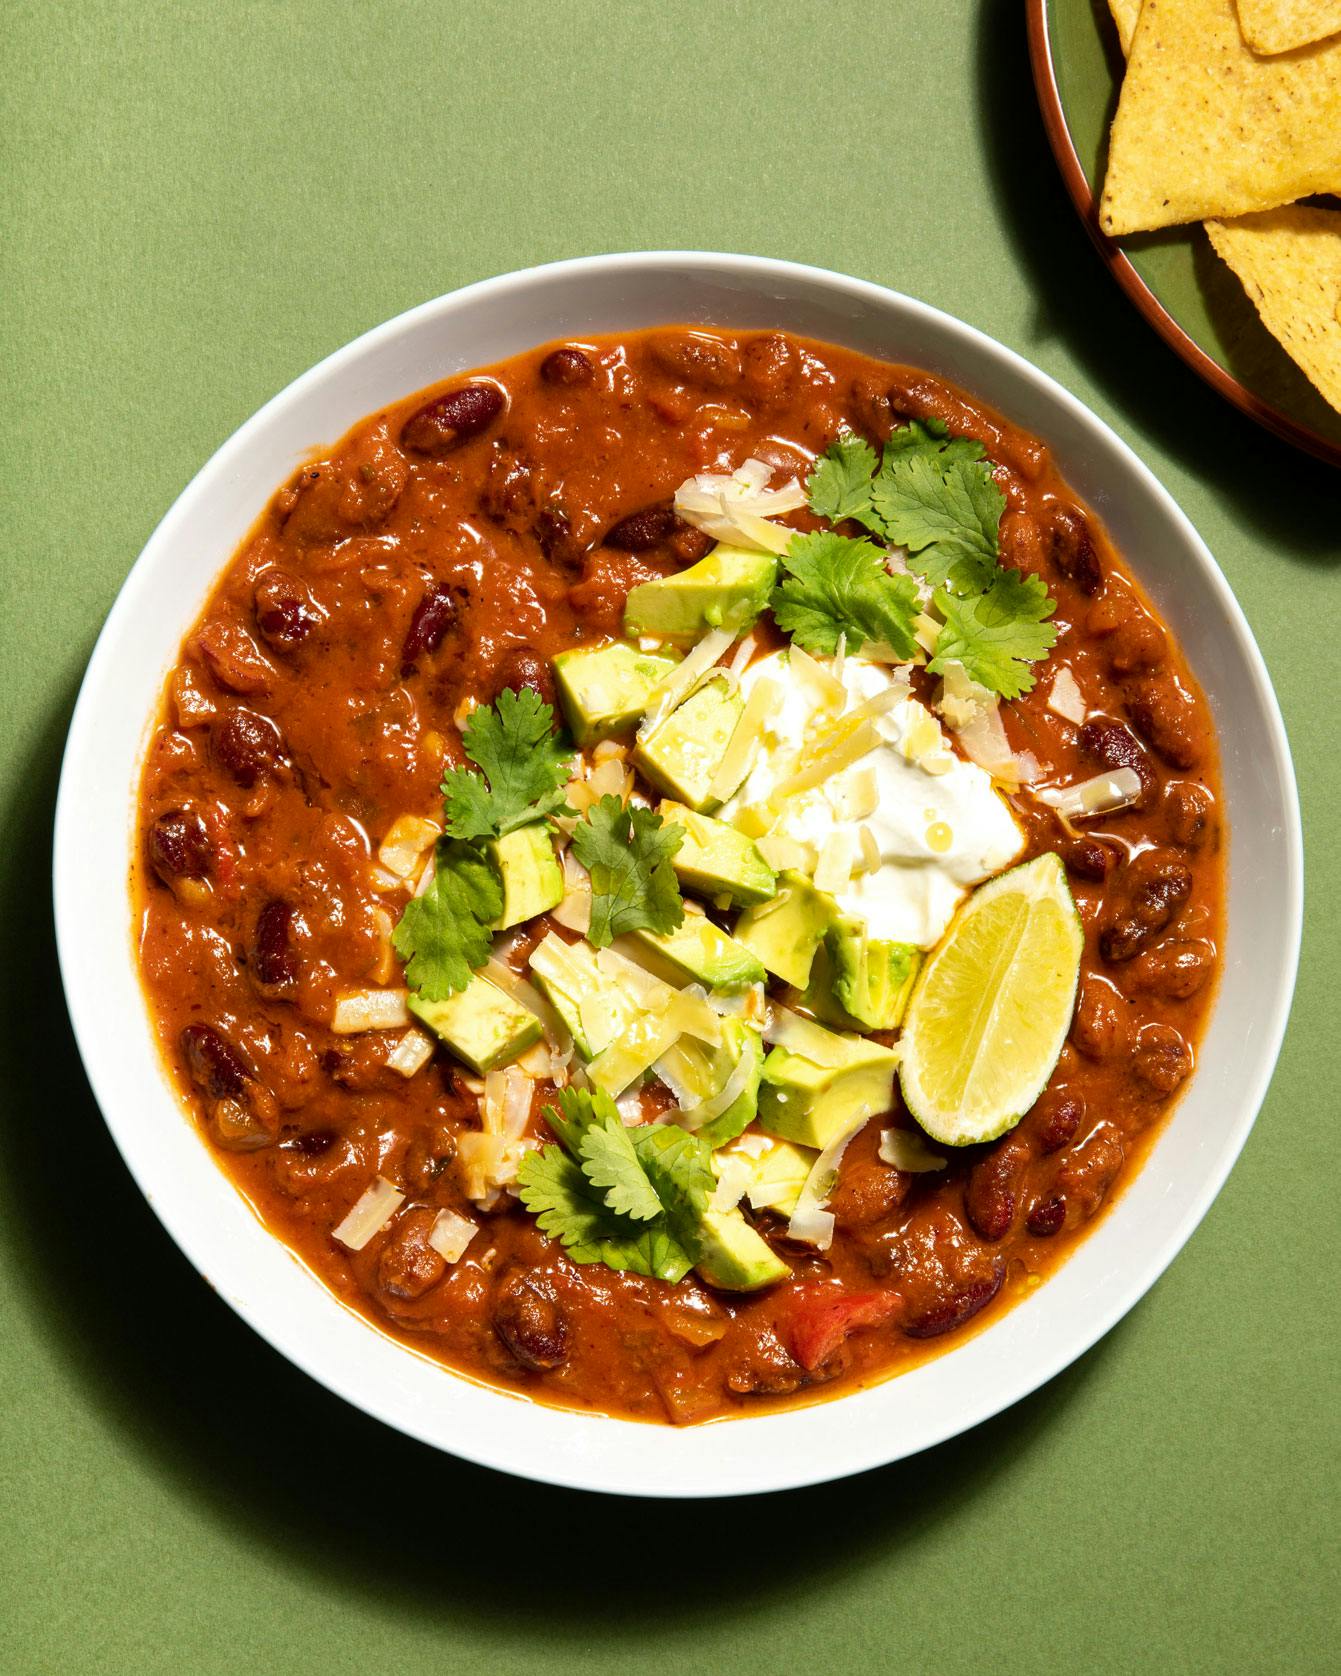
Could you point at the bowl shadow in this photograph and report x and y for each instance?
(1079, 304)
(282, 1464)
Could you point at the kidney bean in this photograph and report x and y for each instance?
(992, 1190)
(1046, 1217)
(285, 611)
(1162, 1060)
(960, 1306)
(915, 396)
(1084, 1179)
(1136, 645)
(522, 666)
(567, 367)
(233, 658)
(1144, 897)
(1021, 542)
(529, 1322)
(435, 613)
(448, 421)
(427, 1156)
(1099, 1025)
(770, 365)
(407, 1265)
(246, 744)
(1053, 1121)
(1173, 969)
(273, 962)
(869, 403)
(693, 358)
(640, 531)
(770, 1369)
(240, 1126)
(214, 1065)
(313, 1144)
(1189, 812)
(1170, 719)
(1069, 543)
(179, 846)
(1111, 745)
(689, 544)
(1087, 858)
(866, 1192)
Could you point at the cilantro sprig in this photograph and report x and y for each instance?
(935, 496)
(839, 586)
(445, 935)
(629, 1198)
(628, 853)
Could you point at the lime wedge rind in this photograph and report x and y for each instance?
(992, 1006)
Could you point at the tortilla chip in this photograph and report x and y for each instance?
(1289, 261)
(1205, 127)
(1282, 25)
(1125, 14)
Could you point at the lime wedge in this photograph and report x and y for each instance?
(991, 1009)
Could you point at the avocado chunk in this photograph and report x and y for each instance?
(727, 589)
(779, 1176)
(701, 952)
(732, 1256)
(715, 860)
(703, 1070)
(595, 1010)
(785, 932)
(812, 1104)
(680, 755)
(604, 689)
(482, 1026)
(530, 871)
(858, 982)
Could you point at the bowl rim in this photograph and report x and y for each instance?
(1220, 379)
(584, 1467)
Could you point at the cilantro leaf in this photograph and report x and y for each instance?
(571, 1209)
(526, 765)
(678, 1164)
(997, 634)
(838, 586)
(445, 934)
(840, 485)
(945, 508)
(628, 853)
(577, 1111)
(931, 437)
(609, 1161)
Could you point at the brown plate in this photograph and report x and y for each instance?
(1185, 292)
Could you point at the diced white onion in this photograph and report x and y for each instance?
(482, 1158)
(1066, 699)
(411, 1053)
(906, 1150)
(608, 779)
(811, 1223)
(370, 1213)
(608, 748)
(409, 836)
(384, 967)
(370, 1009)
(450, 1234)
(1103, 794)
(506, 1107)
(677, 685)
(535, 1062)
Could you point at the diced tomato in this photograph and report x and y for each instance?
(821, 1317)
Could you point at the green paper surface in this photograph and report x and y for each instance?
(201, 201)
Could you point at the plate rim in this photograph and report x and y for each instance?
(1064, 152)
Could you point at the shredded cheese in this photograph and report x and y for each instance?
(403, 847)
(370, 1213)
(1103, 794)
(811, 1223)
(357, 1010)
(451, 1234)
(411, 1053)
(764, 701)
(1066, 699)
(679, 683)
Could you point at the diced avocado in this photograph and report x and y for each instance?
(785, 932)
(858, 982)
(701, 952)
(731, 1255)
(604, 689)
(593, 1007)
(705, 1069)
(716, 860)
(530, 871)
(779, 1176)
(680, 755)
(480, 1024)
(813, 1104)
(727, 589)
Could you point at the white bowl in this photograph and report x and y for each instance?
(210, 1221)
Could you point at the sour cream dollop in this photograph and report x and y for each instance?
(939, 824)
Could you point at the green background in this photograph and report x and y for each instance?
(201, 201)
